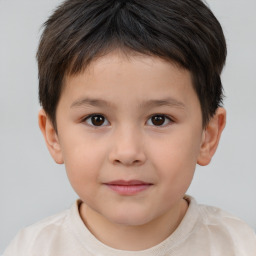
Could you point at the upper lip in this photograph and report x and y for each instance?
(128, 182)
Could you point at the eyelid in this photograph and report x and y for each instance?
(84, 119)
(171, 120)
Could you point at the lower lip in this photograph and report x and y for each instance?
(128, 190)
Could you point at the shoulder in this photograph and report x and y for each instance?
(39, 233)
(223, 228)
(214, 216)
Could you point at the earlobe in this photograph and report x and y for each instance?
(211, 137)
(50, 136)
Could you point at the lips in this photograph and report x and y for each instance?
(126, 188)
(127, 183)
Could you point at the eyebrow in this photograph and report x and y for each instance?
(162, 102)
(91, 102)
(145, 104)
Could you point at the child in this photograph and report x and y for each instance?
(132, 101)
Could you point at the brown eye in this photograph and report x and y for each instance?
(96, 120)
(159, 120)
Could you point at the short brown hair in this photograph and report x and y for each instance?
(183, 31)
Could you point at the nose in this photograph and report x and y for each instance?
(127, 148)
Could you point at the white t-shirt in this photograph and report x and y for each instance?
(204, 231)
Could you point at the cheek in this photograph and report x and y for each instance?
(175, 157)
(83, 160)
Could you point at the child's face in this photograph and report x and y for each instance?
(133, 161)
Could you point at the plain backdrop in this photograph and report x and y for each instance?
(33, 187)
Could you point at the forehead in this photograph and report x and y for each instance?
(120, 60)
(120, 77)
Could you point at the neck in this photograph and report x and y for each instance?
(133, 238)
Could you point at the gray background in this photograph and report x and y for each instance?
(32, 186)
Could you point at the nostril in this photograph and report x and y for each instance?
(127, 162)
(127, 155)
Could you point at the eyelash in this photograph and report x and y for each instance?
(166, 117)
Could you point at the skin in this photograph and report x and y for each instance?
(128, 145)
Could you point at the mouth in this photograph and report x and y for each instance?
(128, 188)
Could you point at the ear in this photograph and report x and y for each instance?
(211, 137)
(50, 136)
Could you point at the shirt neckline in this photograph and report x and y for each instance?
(90, 243)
